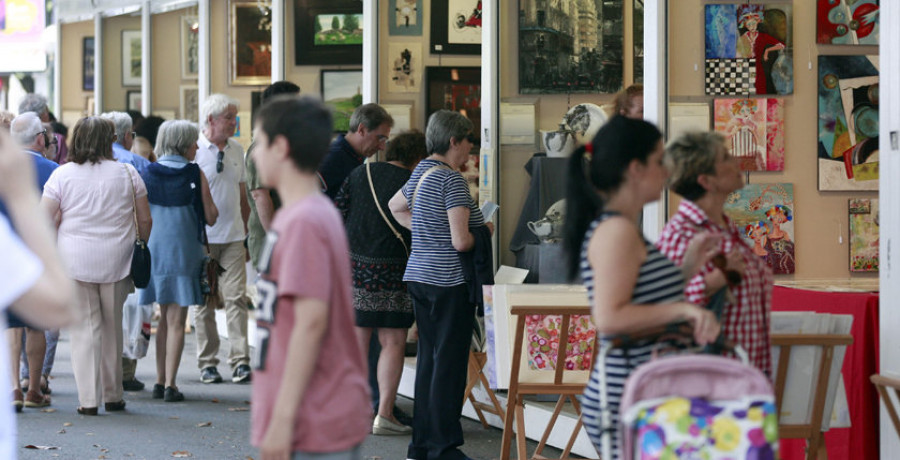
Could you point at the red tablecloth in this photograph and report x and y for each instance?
(860, 361)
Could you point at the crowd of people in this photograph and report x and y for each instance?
(349, 254)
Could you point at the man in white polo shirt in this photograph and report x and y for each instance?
(222, 161)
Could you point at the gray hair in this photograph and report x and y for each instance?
(33, 103)
(122, 121)
(443, 125)
(371, 116)
(25, 127)
(175, 137)
(215, 105)
(689, 156)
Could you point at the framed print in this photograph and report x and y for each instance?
(133, 100)
(342, 91)
(189, 102)
(190, 33)
(328, 32)
(847, 22)
(456, 26)
(405, 17)
(457, 89)
(864, 238)
(764, 216)
(250, 43)
(405, 67)
(87, 64)
(753, 131)
(131, 58)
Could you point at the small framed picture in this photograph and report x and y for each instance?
(87, 64)
(328, 32)
(250, 40)
(131, 58)
(133, 101)
(342, 91)
(189, 102)
(190, 44)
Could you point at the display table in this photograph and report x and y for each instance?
(861, 440)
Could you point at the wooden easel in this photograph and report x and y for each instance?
(515, 412)
(477, 360)
(882, 383)
(812, 431)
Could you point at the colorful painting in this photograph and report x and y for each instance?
(542, 339)
(405, 67)
(847, 22)
(848, 123)
(764, 215)
(754, 129)
(342, 91)
(405, 17)
(744, 37)
(338, 29)
(864, 234)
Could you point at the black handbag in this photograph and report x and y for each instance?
(140, 257)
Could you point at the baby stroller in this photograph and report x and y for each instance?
(694, 406)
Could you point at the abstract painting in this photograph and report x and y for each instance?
(754, 131)
(764, 215)
(405, 67)
(864, 234)
(542, 341)
(847, 22)
(342, 91)
(456, 26)
(564, 50)
(405, 17)
(749, 49)
(848, 123)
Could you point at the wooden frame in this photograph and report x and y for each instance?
(87, 64)
(339, 93)
(249, 43)
(306, 15)
(447, 39)
(405, 17)
(133, 100)
(190, 63)
(189, 102)
(131, 58)
(462, 85)
(882, 383)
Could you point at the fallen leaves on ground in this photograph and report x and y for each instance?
(238, 409)
(48, 410)
(204, 424)
(67, 424)
(182, 454)
(214, 400)
(32, 446)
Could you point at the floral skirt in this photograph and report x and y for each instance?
(384, 308)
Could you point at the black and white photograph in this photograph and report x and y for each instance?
(570, 46)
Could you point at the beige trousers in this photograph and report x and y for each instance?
(233, 289)
(97, 341)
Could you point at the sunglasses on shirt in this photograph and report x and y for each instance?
(220, 162)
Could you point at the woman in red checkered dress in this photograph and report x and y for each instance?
(704, 174)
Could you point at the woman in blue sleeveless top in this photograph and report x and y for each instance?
(630, 284)
(181, 205)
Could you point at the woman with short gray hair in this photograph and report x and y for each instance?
(181, 204)
(704, 173)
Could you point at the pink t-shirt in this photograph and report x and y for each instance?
(96, 232)
(306, 255)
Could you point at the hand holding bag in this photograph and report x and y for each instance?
(209, 278)
(140, 258)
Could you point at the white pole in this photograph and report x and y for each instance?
(203, 42)
(98, 64)
(655, 93)
(278, 57)
(146, 61)
(370, 52)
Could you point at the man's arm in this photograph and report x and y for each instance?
(264, 207)
(245, 205)
(311, 322)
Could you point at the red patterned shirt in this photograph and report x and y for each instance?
(746, 321)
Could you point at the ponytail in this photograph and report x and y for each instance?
(583, 203)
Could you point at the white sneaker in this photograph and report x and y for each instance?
(384, 427)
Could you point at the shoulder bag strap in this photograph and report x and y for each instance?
(137, 235)
(381, 211)
(422, 180)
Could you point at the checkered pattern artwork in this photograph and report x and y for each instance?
(730, 77)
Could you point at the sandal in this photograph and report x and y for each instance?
(87, 410)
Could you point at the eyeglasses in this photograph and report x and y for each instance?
(382, 138)
(40, 132)
(220, 163)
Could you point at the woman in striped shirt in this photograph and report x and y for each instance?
(630, 284)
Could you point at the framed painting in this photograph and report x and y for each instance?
(131, 58)
(550, 62)
(133, 100)
(847, 22)
(754, 131)
(189, 102)
(848, 123)
(190, 44)
(328, 32)
(250, 43)
(864, 223)
(342, 91)
(764, 215)
(457, 89)
(456, 26)
(405, 17)
(87, 64)
(405, 68)
(749, 49)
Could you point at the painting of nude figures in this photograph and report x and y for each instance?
(753, 130)
(764, 216)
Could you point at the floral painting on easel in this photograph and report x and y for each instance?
(764, 216)
(863, 234)
(542, 340)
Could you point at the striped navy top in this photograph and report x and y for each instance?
(433, 259)
(659, 281)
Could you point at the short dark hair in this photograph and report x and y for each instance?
(148, 128)
(279, 87)
(371, 116)
(407, 148)
(92, 139)
(306, 124)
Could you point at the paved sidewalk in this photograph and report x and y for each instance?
(212, 423)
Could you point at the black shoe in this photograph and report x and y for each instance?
(173, 395)
(158, 391)
(402, 417)
(210, 375)
(114, 406)
(241, 374)
(133, 385)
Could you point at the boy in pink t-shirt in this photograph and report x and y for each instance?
(310, 393)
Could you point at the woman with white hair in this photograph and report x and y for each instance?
(181, 204)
